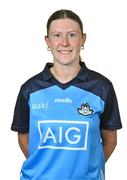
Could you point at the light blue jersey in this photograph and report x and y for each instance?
(64, 127)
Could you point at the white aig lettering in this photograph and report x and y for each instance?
(60, 134)
(50, 135)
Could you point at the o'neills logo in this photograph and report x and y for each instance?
(64, 100)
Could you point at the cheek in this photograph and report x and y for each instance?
(76, 44)
(77, 47)
(53, 44)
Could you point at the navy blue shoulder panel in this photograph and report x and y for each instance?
(34, 84)
(21, 113)
(97, 84)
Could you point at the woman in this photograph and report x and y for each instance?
(66, 116)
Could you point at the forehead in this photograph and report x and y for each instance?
(64, 25)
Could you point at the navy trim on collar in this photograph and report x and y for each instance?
(82, 74)
(46, 72)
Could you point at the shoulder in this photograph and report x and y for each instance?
(99, 79)
(93, 78)
(37, 82)
(100, 85)
(31, 85)
(31, 81)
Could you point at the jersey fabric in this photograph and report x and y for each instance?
(64, 122)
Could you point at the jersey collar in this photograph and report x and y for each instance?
(82, 75)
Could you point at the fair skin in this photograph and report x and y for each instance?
(109, 142)
(65, 41)
(23, 140)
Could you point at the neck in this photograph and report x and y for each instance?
(65, 73)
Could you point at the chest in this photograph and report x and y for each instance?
(64, 118)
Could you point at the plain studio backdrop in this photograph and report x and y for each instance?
(23, 53)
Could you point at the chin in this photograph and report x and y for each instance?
(66, 61)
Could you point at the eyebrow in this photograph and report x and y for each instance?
(62, 32)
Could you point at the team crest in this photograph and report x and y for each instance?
(85, 109)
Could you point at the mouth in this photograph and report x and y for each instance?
(65, 52)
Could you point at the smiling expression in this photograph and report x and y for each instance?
(65, 40)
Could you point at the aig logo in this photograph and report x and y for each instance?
(59, 134)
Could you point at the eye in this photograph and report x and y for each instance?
(57, 35)
(72, 35)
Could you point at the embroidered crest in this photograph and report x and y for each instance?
(85, 109)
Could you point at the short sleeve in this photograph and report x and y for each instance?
(110, 119)
(21, 114)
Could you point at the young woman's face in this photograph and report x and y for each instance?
(65, 40)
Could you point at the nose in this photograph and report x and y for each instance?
(65, 41)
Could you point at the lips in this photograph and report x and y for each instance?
(65, 51)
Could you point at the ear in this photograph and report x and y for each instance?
(84, 38)
(47, 40)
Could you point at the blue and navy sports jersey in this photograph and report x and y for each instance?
(64, 122)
